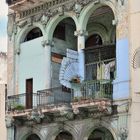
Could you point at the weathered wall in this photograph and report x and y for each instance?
(80, 129)
(3, 82)
(121, 83)
(2, 112)
(135, 72)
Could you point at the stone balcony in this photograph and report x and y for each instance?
(94, 98)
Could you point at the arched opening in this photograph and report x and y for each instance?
(64, 136)
(101, 134)
(64, 38)
(100, 51)
(33, 137)
(33, 34)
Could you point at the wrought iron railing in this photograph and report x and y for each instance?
(22, 101)
(48, 97)
(96, 89)
(54, 96)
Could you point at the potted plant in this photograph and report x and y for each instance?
(75, 79)
(18, 107)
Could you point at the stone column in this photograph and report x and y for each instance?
(81, 55)
(10, 127)
(47, 44)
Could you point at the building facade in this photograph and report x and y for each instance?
(73, 70)
(3, 83)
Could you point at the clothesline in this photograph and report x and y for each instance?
(99, 62)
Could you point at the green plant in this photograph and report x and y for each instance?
(75, 99)
(19, 107)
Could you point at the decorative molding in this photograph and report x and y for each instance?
(35, 116)
(121, 1)
(77, 8)
(81, 33)
(9, 121)
(57, 7)
(47, 43)
(44, 19)
(123, 108)
(18, 51)
(10, 27)
(123, 133)
(37, 18)
(22, 24)
(136, 59)
(114, 22)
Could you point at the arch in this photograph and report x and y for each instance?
(24, 134)
(32, 34)
(101, 124)
(88, 10)
(100, 133)
(20, 36)
(99, 29)
(54, 22)
(64, 134)
(33, 137)
(63, 128)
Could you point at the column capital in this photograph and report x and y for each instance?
(47, 43)
(9, 121)
(81, 33)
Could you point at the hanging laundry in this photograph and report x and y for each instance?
(98, 72)
(108, 71)
(102, 70)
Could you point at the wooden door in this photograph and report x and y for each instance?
(29, 93)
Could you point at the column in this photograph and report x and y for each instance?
(81, 55)
(47, 44)
(10, 127)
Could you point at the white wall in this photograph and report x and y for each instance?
(31, 64)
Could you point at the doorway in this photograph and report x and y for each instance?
(29, 93)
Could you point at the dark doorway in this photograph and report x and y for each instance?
(94, 40)
(101, 134)
(33, 137)
(64, 136)
(29, 93)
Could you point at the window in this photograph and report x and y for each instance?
(34, 33)
(60, 32)
(94, 40)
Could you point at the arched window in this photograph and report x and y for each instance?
(101, 134)
(93, 40)
(33, 137)
(34, 33)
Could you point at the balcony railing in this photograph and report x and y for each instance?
(55, 97)
(96, 89)
(22, 101)
(48, 97)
